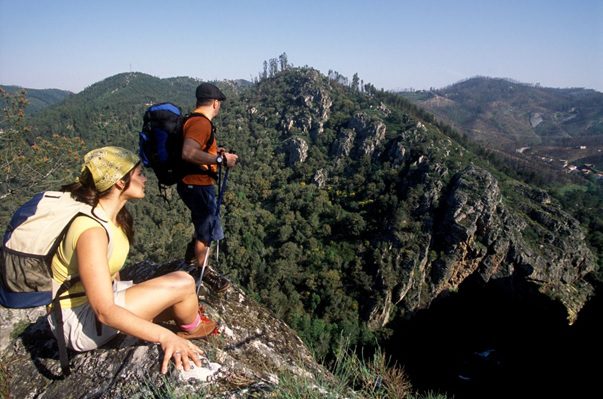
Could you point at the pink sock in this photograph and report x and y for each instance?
(193, 325)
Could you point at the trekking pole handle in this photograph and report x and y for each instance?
(224, 152)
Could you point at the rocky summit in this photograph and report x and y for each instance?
(247, 357)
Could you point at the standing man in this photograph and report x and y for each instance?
(197, 186)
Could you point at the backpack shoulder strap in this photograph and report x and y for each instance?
(96, 215)
(212, 136)
(99, 215)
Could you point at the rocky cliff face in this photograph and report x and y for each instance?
(459, 221)
(470, 230)
(468, 227)
(252, 351)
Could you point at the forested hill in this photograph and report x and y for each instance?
(508, 114)
(348, 210)
(38, 99)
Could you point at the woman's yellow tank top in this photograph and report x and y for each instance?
(64, 263)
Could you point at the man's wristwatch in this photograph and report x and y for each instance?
(220, 159)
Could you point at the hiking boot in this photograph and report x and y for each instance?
(215, 281)
(206, 328)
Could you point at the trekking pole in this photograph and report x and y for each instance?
(219, 204)
(200, 282)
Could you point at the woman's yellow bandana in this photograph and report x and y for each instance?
(108, 165)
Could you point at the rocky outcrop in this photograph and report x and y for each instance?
(320, 178)
(252, 350)
(470, 230)
(369, 132)
(460, 224)
(360, 138)
(296, 150)
(312, 106)
(342, 147)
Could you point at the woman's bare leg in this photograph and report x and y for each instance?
(171, 296)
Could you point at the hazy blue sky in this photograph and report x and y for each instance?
(392, 44)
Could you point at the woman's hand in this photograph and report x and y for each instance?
(181, 350)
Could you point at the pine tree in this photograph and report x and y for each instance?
(355, 82)
(283, 61)
(273, 67)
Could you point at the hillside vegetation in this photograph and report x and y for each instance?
(37, 99)
(337, 198)
(500, 112)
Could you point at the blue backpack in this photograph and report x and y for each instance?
(160, 143)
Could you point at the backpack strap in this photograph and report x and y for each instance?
(212, 135)
(195, 169)
(57, 314)
(56, 310)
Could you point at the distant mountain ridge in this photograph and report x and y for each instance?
(116, 104)
(39, 98)
(507, 114)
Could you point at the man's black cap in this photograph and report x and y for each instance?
(207, 91)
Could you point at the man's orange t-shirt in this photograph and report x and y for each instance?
(199, 129)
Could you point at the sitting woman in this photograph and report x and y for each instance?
(110, 177)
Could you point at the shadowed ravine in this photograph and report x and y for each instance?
(497, 340)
